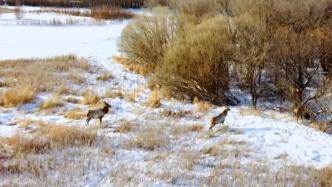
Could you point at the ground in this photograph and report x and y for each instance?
(137, 144)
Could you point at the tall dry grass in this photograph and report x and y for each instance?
(47, 74)
(17, 96)
(48, 136)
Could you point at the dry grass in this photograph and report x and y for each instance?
(63, 90)
(6, 10)
(48, 74)
(149, 139)
(197, 128)
(124, 127)
(131, 66)
(322, 126)
(52, 102)
(114, 93)
(75, 114)
(105, 76)
(131, 96)
(106, 12)
(202, 106)
(154, 99)
(90, 97)
(49, 136)
(176, 114)
(17, 96)
(74, 100)
(250, 112)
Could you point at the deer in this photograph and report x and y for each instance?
(98, 113)
(220, 118)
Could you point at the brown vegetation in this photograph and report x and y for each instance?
(54, 72)
(75, 114)
(17, 96)
(48, 136)
(125, 126)
(154, 99)
(149, 139)
(54, 101)
(90, 97)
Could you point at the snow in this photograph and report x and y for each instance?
(272, 135)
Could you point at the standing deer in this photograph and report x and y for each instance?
(98, 113)
(220, 118)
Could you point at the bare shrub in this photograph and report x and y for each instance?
(146, 38)
(17, 96)
(195, 58)
(197, 9)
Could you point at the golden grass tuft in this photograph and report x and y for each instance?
(322, 126)
(131, 66)
(90, 97)
(124, 127)
(154, 99)
(75, 114)
(132, 96)
(197, 128)
(202, 106)
(114, 93)
(54, 101)
(17, 96)
(63, 90)
(250, 112)
(149, 139)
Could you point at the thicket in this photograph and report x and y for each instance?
(272, 49)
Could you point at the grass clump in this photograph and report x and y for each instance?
(52, 102)
(90, 97)
(17, 96)
(149, 139)
(202, 106)
(154, 99)
(124, 127)
(75, 114)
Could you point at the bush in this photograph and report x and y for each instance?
(196, 65)
(146, 39)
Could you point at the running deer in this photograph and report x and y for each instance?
(220, 118)
(98, 113)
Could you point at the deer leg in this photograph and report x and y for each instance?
(101, 120)
(87, 121)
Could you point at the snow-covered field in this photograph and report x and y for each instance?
(187, 156)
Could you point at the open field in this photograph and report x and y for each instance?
(52, 75)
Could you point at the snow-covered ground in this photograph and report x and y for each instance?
(268, 135)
